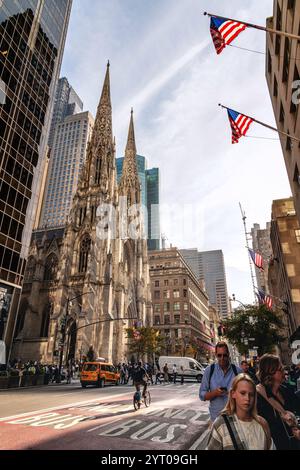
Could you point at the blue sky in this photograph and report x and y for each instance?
(163, 64)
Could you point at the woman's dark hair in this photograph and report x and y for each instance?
(268, 365)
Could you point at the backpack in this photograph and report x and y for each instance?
(212, 368)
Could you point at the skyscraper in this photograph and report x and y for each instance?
(149, 181)
(32, 37)
(66, 103)
(209, 266)
(67, 158)
(153, 183)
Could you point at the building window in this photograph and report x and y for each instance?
(281, 114)
(176, 306)
(156, 283)
(286, 60)
(184, 282)
(297, 233)
(176, 333)
(84, 253)
(176, 293)
(291, 4)
(269, 62)
(167, 319)
(51, 267)
(157, 320)
(156, 308)
(175, 282)
(166, 306)
(166, 282)
(45, 321)
(184, 293)
(157, 294)
(166, 294)
(278, 27)
(177, 319)
(275, 88)
(185, 306)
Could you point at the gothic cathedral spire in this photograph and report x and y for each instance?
(100, 151)
(129, 183)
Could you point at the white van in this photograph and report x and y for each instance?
(192, 369)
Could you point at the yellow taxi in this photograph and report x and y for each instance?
(99, 374)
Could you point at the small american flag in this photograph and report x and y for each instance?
(223, 32)
(239, 125)
(256, 258)
(265, 299)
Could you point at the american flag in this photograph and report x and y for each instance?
(239, 124)
(256, 258)
(265, 299)
(223, 32)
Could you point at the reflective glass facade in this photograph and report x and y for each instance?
(32, 35)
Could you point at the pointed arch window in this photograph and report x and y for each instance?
(85, 246)
(30, 270)
(98, 170)
(51, 267)
(44, 332)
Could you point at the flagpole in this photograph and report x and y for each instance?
(264, 124)
(247, 244)
(255, 26)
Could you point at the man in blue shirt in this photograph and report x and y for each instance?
(217, 380)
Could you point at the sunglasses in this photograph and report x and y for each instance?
(222, 355)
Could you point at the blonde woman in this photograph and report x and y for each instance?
(239, 427)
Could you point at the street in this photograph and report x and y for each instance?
(68, 417)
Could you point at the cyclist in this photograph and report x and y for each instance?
(140, 377)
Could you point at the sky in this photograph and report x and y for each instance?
(164, 65)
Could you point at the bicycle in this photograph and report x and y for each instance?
(137, 401)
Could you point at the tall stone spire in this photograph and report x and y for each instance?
(129, 183)
(100, 151)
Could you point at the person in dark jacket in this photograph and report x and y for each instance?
(278, 404)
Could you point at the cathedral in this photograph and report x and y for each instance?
(87, 282)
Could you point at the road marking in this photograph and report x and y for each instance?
(201, 438)
(60, 407)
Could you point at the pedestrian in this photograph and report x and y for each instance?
(181, 375)
(239, 427)
(278, 404)
(174, 371)
(217, 380)
(250, 371)
(166, 373)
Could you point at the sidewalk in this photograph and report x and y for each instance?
(64, 382)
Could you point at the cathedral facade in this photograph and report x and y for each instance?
(87, 282)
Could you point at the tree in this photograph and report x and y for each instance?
(144, 340)
(91, 354)
(259, 323)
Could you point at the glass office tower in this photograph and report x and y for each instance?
(149, 180)
(32, 38)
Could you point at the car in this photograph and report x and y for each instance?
(99, 374)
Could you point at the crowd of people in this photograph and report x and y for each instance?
(51, 371)
(153, 371)
(255, 408)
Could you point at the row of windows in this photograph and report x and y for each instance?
(166, 293)
(167, 282)
(176, 306)
(9, 259)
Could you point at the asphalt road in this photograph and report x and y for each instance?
(57, 417)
